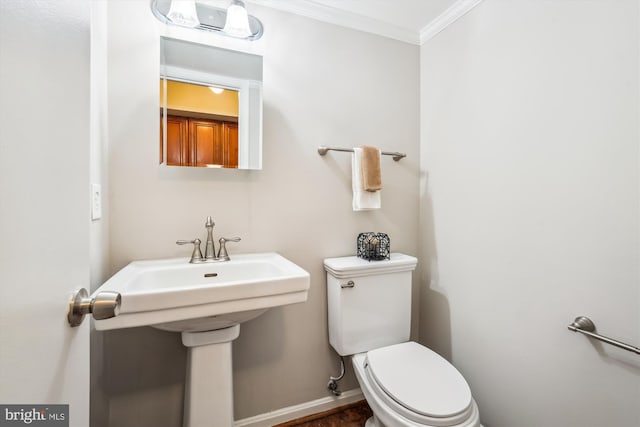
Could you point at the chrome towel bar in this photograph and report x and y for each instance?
(584, 325)
(322, 150)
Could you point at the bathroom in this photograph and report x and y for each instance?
(519, 195)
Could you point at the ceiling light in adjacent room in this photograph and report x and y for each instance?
(216, 90)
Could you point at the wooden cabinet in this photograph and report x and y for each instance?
(201, 142)
(178, 134)
(230, 137)
(205, 138)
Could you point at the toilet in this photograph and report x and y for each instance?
(405, 383)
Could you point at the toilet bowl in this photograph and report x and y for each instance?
(405, 383)
(409, 385)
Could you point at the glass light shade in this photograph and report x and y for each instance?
(183, 12)
(237, 23)
(216, 90)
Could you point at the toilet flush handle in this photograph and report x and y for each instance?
(349, 284)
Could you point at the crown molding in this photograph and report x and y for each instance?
(320, 12)
(448, 17)
(332, 15)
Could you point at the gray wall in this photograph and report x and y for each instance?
(530, 207)
(323, 84)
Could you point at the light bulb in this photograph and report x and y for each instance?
(183, 13)
(237, 23)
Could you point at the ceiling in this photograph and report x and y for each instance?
(405, 20)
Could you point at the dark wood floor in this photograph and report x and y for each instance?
(353, 415)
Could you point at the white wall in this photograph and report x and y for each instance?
(98, 161)
(98, 154)
(323, 84)
(530, 207)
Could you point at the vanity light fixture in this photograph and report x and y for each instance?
(183, 13)
(237, 23)
(234, 21)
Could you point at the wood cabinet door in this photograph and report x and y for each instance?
(230, 141)
(177, 141)
(205, 138)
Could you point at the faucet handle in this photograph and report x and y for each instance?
(222, 251)
(196, 256)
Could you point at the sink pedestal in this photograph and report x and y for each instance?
(209, 390)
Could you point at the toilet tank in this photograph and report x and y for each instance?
(369, 302)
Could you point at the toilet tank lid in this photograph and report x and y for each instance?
(352, 266)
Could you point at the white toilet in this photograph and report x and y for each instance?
(405, 383)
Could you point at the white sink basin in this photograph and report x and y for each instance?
(173, 295)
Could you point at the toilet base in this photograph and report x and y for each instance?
(373, 422)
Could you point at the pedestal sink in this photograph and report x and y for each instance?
(205, 303)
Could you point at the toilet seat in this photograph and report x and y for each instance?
(415, 386)
(419, 379)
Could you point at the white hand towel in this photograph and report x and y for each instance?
(362, 200)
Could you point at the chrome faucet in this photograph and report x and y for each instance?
(210, 248)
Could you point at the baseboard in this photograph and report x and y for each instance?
(302, 410)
